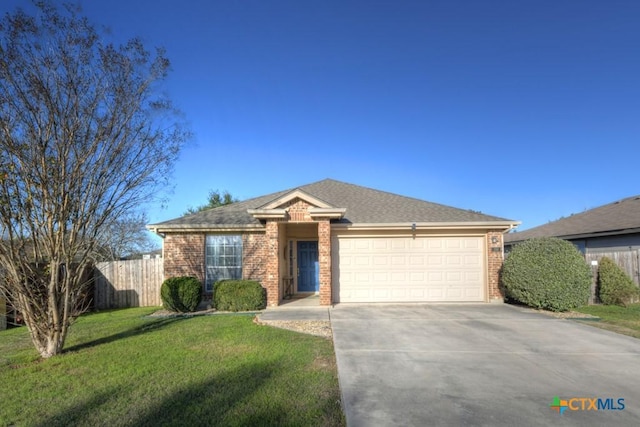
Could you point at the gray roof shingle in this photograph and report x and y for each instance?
(618, 217)
(363, 206)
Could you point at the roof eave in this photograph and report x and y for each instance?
(268, 213)
(199, 228)
(331, 213)
(484, 225)
(581, 235)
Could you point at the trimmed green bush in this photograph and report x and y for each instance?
(181, 294)
(239, 295)
(615, 287)
(547, 273)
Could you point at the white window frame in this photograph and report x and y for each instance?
(223, 258)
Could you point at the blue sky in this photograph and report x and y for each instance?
(528, 110)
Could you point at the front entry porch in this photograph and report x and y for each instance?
(303, 268)
(298, 217)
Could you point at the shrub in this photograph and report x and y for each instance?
(547, 273)
(181, 294)
(615, 287)
(239, 295)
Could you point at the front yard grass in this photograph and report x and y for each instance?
(623, 320)
(122, 368)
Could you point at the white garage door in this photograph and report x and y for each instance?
(404, 269)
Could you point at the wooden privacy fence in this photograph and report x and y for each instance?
(628, 260)
(133, 283)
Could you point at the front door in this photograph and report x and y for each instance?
(308, 271)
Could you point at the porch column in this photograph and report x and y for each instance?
(272, 261)
(324, 260)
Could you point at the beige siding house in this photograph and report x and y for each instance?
(343, 242)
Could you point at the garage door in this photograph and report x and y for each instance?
(406, 269)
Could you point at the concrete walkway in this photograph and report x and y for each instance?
(304, 313)
(480, 365)
(300, 308)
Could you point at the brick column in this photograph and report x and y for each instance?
(271, 280)
(495, 258)
(324, 260)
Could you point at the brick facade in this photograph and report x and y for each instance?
(263, 254)
(298, 210)
(184, 255)
(495, 256)
(254, 252)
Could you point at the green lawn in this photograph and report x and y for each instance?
(624, 320)
(122, 368)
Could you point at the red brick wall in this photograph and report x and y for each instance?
(253, 256)
(184, 255)
(494, 264)
(298, 211)
(272, 262)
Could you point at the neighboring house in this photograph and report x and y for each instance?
(155, 254)
(612, 230)
(345, 242)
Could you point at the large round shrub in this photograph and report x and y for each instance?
(181, 294)
(615, 287)
(548, 273)
(239, 295)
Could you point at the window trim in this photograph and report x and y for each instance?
(227, 249)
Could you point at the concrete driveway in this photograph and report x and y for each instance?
(490, 364)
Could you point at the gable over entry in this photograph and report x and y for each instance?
(345, 242)
(297, 226)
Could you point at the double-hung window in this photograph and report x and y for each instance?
(223, 258)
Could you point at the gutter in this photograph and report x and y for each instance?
(155, 230)
(506, 226)
(199, 228)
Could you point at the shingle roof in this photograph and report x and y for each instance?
(618, 217)
(363, 206)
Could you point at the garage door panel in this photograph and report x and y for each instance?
(409, 269)
(417, 276)
(381, 277)
(380, 244)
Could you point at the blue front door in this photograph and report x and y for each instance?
(308, 272)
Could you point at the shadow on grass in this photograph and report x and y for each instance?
(77, 414)
(138, 330)
(225, 399)
(228, 398)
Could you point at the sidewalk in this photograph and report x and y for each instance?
(306, 313)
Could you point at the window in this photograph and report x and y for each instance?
(223, 257)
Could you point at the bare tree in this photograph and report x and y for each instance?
(125, 236)
(84, 140)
